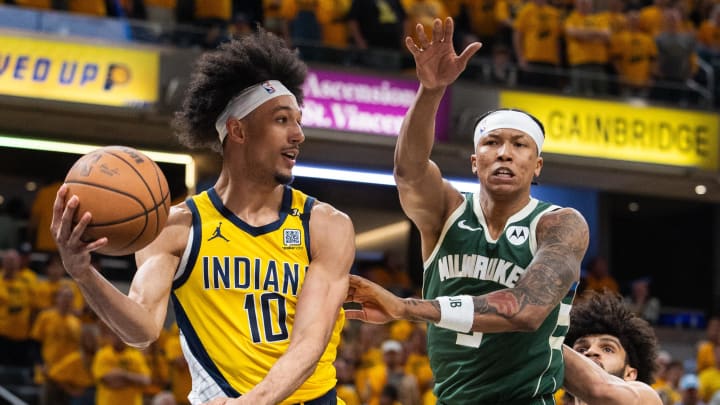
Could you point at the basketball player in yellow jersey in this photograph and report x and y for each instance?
(256, 270)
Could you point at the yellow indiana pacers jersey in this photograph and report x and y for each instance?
(235, 296)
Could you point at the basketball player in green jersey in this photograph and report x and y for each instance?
(257, 271)
(614, 354)
(500, 267)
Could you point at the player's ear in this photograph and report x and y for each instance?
(538, 166)
(630, 374)
(473, 163)
(236, 130)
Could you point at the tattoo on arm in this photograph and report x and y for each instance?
(423, 310)
(562, 241)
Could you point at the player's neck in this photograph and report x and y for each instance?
(497, 212)
(253, 203)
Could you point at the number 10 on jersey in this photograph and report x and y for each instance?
(269, 312)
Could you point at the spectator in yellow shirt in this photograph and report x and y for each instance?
(47, 289)
(588, 37)
(120, 372)
(667, 376)
(706, 347)
(709, 35)
(651, 17)
(418, 363)
(16, 299)
(58, 331)
(634, 56)
(536, 41)
(505, 13)
(598, 277)
(73, 373)
(275, 17)
(332, 15)
(40, 217)
(709, 380)
(159, 369)
(346, 389)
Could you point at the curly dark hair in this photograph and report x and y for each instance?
(222, 74)
(607, 314)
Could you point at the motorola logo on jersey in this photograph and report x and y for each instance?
(517, 235)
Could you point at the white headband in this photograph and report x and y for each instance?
(510, 119)
(247, 101)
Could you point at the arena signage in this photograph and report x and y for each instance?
(362, 103)
(91, 74)
(620, 131)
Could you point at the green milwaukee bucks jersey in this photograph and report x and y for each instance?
(492, 368)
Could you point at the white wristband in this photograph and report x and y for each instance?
(456, 313)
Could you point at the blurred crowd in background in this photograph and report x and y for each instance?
(667, 50)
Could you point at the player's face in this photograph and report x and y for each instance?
(607, 352)
(506, 160)
(275, 135)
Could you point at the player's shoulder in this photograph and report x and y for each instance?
(564, 215)
(326, 212)
(646, 394)
(180, 214)
(563, 222)
(173, 238)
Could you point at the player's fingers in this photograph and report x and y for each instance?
(350, 295)
(356, 282)
(97, 244)
(437, 31)
(449, 29)
(468, 52)
(412, 46)
(58, 207)
(79, 229)
(422, 38)
(63, 233)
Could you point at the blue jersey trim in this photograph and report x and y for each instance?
(572, 290)
(253, 230)
(307, 209)
(199, 351)
(196, 229)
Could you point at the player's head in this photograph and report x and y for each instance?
(605, 330)
(259, 64)
(508, 143)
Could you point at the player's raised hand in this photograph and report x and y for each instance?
(74, 252)
(436, 62)
(378, 305)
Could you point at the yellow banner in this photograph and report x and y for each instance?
(602, 129)
(92, 74)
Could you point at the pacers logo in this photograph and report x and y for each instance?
(517, 235)
(118, 74)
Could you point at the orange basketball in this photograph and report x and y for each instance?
(127, 195)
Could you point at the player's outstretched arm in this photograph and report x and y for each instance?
(593, 385)
(562, 238)
(419, 180)
(333, 251)
(138, 317)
